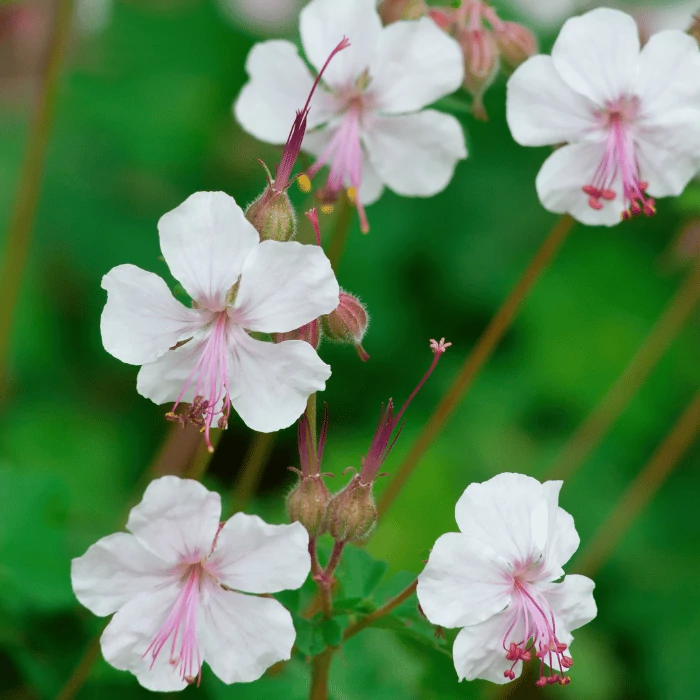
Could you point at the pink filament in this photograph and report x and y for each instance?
(181, 626)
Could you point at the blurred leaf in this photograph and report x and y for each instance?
(359, 572)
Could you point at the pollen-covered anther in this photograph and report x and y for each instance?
(304, 183)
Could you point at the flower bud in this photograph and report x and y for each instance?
(481, 65)
(348, 323)
(515, 42)
(273, 216)
(307, 504)
(395, 10)
(351, 513)
(694, 30)
(310, 333)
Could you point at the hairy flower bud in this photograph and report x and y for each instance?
(515, 42)
(273, 216)
(310, 333)
(308, 503)
(348, 323)
(694, 30)
(351, 513)
(395, 10)
(481, 65)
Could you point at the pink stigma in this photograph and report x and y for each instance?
(211, 387)
(620, 161)
(181, 627)
(539, 637)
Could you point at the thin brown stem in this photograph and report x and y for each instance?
(319, 675)
(81, 672)
(339, 240)
(203, 457)
(476, 359)
(312, 418)
(19, 231)
(594, 428)
(642, 489)
(177, 451)
(386, 609)
(253, 466)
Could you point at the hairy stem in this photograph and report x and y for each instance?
(476, 359)
(594, 428)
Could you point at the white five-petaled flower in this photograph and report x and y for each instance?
(204, 355)
(367, 123)
(496, 579)
(173, 585)
(631, 118)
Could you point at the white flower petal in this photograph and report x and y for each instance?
(163, 380)
(283, 286)
(279, 85)
(415, 64)
(242, 635)
(597, 54)
(572, 603)
(271, 383)
(177, 519)
(478, 649)
(499, 514)
(669, 66)
(542, 109)
(205, 242)
(130, 633)
(115, 570)
(562, 538)
(141, 319)
(562, 177)
(323, 23)
(415, 154)
(460, 584)
(255, 557)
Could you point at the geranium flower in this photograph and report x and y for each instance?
(631, 118)
(496, 580)
(368, 127)
(204, 355)
(173, 585)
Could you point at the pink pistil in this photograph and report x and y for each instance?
(181, 626)
(211, 388)
(539, 637)
(619, 160)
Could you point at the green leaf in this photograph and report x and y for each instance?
(359, 573)
(362, 606)
(332, 632)
(310, 641)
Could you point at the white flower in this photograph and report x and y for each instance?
(495, 579)
(368, 127)
(203, 354)
(631, 118)
(173, 586)
(270, 17)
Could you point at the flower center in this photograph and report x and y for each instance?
(344, 156)
(181, 628)
(620, 162)
(210, 377)
(539, 636)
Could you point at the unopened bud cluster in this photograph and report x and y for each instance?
(308, 504)
(273, 216)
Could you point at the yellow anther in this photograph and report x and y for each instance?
(352, 194)
(327, 208)
(304, 183)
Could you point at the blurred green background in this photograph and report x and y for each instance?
(143, 120)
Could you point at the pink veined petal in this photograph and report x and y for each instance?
(131, 631)
(323, 23)
(415, 154)
(142, 319)
(283, 286)
(205, 242)
(279, 85)
(542, 109)
(415, 64)
(597, 54)
(177, 519)
(254, 557)
(115, 570)
(461, 584)
(271, 383)
(479, 650)
(242, 636)
(561, 180)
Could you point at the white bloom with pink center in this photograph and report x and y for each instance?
(367, 123)
(497, 580)
(630, 117)
(174, 583)
(204, 355)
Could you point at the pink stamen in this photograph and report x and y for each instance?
(211, 388)
(181, 627)
(620, 161)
